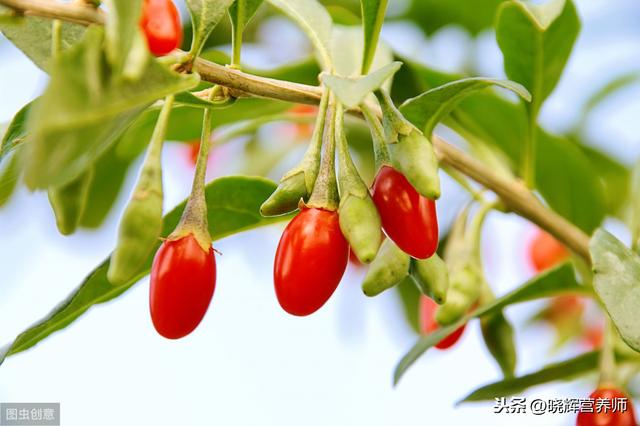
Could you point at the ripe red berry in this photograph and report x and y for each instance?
(311, 258)
(183, 278)
(160, 23)
(607, 416)
(408, 218)
(546, 252)
(428, 324)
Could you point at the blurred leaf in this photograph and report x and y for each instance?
(241, 11)
(536, 41)
(205, 15)
(431, 15)
(417, 78)
(233, 206)
(32, 35)
(486, 118)
(190, 100)
(561, 166)
(342, 15)
(552, 282)
(9, 176)
(409, 297)
(497, 333)
(602, 94)
(352, 91)
(315, 21)
(373, 12)
(83, 110)
(16, 133)
(185, 123)
(302, 71)
(347, 46)
(429, 108)
(109, 173)
(614, 177)
(616, 281)
(564, 370)
(124, 46)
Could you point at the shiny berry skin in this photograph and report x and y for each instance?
(311, 258)
(428, 324)
(607, 417)
(160, 23)
(408, 218)
(546, 252)
(183, 277)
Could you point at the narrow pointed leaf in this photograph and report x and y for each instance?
(373, 12)
(616, 281)
(431, 107)
(241, 12)
(564, 370)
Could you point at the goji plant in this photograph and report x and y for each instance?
(122, 81)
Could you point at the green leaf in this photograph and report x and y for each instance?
(347, 46)
(555, 281)
(536, 41)
(486, 118)
(614, 177)
(564, 370)
(561, 165)
(125, 48)
(191, 100)
(109, 172)
(429, 108)
(233, 206)
(84, 110)
(205, 15)
(633, 213)
(185, 123)
(9, 176)
(241, 11)
(315, 21)
(409, 297)
(616, 281)
(373, 12)
(303, 71)
(602, 94)
(352, 91)
(431, 15)
(32, 36)
(16, 133)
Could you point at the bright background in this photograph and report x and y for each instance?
(249, 363)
